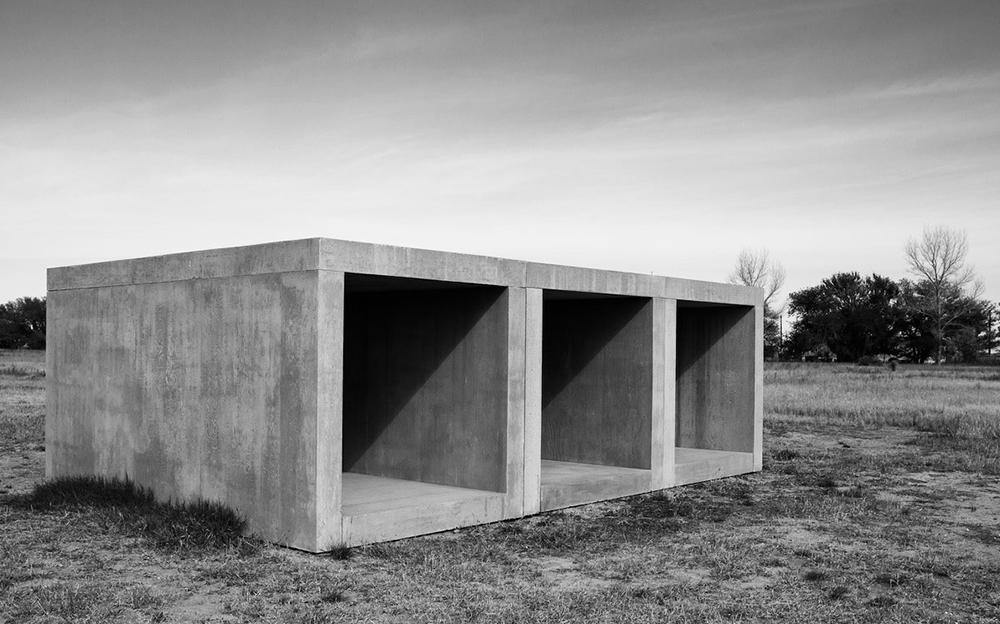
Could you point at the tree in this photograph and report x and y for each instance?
(756, 269)
(22, 323)
(852, 316)
(947, 287)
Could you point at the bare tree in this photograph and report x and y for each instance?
(938, 259)
(754, 267)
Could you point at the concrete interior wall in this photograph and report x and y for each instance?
(715, 377)
(597, 379)
(425, 381)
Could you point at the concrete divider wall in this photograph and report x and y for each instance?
(281, 378)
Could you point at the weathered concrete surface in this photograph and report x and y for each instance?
(373, 259)
(565, 484)
(282, 257)
(200, 387)
(663, 433)
(225, 375)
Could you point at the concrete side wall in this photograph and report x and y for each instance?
(426, 386)
(597, 381)
(716, 377)
(201, 388)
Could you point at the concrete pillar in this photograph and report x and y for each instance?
(533, 401)
(329, 403)
(758, 389)
(516, 402)
(664, 392)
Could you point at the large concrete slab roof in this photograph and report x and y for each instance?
(374, 259)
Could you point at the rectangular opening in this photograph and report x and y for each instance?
(424, 396)
(597, 375)
(715, 391)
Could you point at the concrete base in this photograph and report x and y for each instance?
(565, 484)
(334, 392)
(378, 508)
(696, 465)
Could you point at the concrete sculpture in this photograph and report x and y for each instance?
(335, 392)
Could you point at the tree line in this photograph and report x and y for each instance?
(22, 323)
(936, 315)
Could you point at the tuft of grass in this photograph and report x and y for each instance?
(339, 552)
(882, 602)
(815, 575)
(838, 592)
(333, 595)
(375, 551)
(892, 579)
(785, 455)
(12, 370)
(133, 510)
(825, 482)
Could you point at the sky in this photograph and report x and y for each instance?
(654, 137)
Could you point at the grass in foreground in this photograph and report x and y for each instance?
(131, 510)
(868, 511)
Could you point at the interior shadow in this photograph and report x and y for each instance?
(715, 377)
(597, 380)
(425, 381)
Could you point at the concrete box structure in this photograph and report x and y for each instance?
(335, 392)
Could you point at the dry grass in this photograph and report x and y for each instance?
(878, 504)
(959, 405)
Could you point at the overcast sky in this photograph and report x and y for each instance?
(643, 136)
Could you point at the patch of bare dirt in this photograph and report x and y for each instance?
(22, 469)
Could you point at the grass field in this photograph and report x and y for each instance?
(879, 502)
